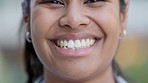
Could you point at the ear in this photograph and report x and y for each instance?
(25, 9)
(26, 23)
(123, 17)
(27, 27)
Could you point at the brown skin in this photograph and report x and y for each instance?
(102, 19)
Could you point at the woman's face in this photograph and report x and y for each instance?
(76, 39)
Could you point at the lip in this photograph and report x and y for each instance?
(75, 36)
(71, 52)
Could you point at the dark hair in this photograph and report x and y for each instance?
(34, 67)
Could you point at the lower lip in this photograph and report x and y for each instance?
(72, 53)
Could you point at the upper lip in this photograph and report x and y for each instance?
(75, 36)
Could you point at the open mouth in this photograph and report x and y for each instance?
(75, 44)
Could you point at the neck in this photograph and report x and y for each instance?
(104, 77)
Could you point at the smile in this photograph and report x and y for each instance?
(74, 45)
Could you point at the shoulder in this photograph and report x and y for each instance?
(120, 80)
(39, 80)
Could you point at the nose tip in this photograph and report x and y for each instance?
(74, 20)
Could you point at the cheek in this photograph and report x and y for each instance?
(38, 22)
(108, 20)
(44, 24)
(44, 21)
(41, 25)
(41, 19)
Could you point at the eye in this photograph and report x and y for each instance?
(93, 1)
(52, 2)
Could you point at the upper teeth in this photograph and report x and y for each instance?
(75, 44)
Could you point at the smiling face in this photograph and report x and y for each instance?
(76, 39)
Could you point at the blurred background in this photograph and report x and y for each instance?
(132, 55)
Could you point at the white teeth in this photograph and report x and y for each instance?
(75, 44)
(83, 44)
(58, 43)
(61, 44)
(87, 43)
(92, 41)
(71, 44)
(65, 44)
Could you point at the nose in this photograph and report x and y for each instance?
(74, 17)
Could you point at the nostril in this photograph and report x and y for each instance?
(66, 25)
